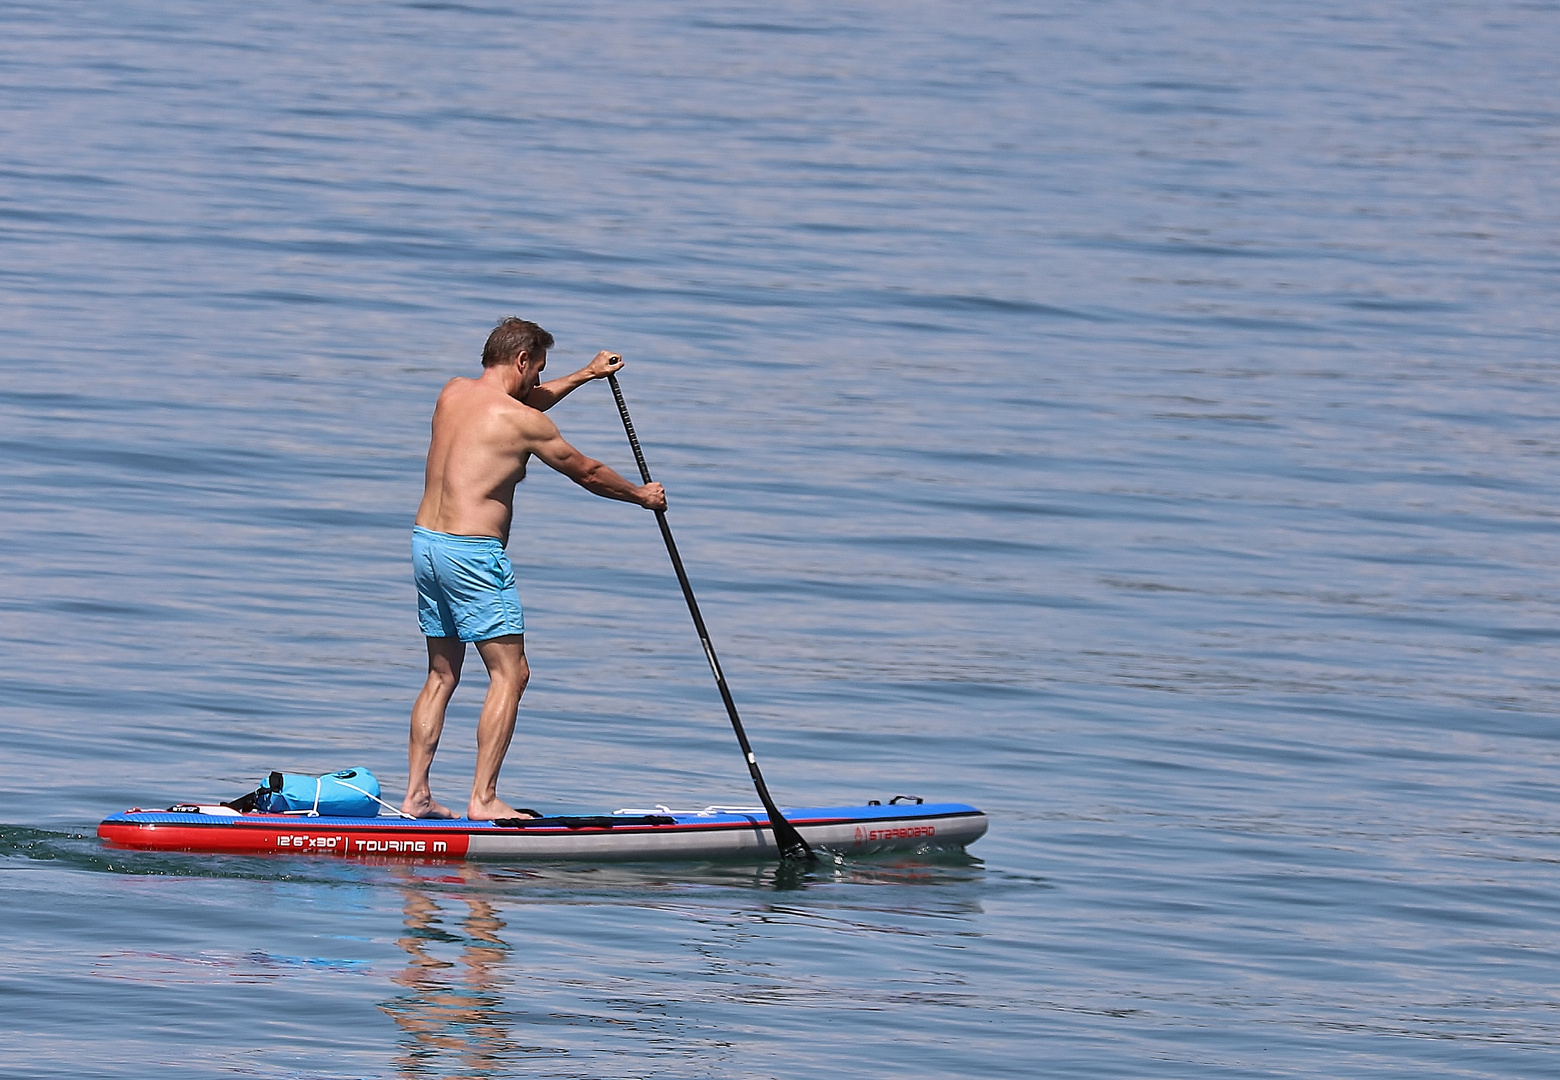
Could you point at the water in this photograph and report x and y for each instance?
(1137, 420)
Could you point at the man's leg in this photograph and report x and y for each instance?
(508, 673)
(445, 655)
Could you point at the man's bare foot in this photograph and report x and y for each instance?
(425, 808)
(493, 810)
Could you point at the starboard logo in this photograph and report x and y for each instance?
(901, 832)
(897, 832)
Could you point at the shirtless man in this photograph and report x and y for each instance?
(484, 431)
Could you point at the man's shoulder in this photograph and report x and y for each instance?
(530, 423)
(517, 416)
(472, 394)
(456, 389)
(465, 401)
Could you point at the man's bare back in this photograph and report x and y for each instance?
(485, 430)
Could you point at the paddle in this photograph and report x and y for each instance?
(787, 839)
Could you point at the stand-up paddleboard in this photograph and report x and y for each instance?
(660, 833)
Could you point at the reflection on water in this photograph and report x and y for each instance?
(625, 880)
(451, 1015)
(471, 978)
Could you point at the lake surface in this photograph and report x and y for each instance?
(1137, 420)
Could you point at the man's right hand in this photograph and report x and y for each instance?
(604, 364)
(653, 497)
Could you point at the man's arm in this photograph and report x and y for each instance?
(592, 475)
(548, 394)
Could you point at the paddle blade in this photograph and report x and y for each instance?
(792, 847)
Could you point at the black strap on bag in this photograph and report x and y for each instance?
(248, 804)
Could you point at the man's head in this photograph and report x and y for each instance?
(510, 338)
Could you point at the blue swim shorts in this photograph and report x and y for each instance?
(465, 586)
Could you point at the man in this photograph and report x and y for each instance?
(484, 431)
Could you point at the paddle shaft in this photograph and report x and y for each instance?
(787, 839)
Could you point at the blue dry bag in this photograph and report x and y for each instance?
(348, 793)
